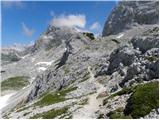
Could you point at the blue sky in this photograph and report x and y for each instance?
(23, 22)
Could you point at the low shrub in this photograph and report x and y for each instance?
(145, 97)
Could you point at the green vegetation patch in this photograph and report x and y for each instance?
(90, 35)
(119, 93)
(52, 98)
(12, 57)
(118, 114)
(50, 114)
(144, 98)
(14, 83)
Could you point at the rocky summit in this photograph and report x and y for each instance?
(72, 74)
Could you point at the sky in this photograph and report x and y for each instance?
(24, 21)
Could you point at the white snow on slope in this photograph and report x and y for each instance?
(4, 100)
(42, 68)
(120, 35)
(44, 63)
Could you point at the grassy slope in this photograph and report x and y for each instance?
(144, 98)
(14, 83)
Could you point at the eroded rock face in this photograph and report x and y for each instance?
(134, 63)
(127, 14)
(147, 40)
(123, 56)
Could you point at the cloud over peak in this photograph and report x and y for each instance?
(27, 31)
(78, 20)
(95, 26)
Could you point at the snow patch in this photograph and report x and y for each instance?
(4, 100)
(120, 35)
(42, 68)
(44, 63)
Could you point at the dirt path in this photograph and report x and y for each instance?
(88, 111)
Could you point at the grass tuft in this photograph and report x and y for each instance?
(118, 114)
(52, 98)
(145, 97)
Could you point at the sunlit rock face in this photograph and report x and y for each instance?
(128, 14)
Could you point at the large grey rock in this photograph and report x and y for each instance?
(123, 56)
(129, 13)
(149, 39)
(145, 68)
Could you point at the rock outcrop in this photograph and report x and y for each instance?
(131, 13)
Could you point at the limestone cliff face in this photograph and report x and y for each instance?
(127, 14)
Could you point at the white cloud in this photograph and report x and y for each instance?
(82, 30)
(95, 26)
(71, 20)
(27, 31)
(9, 4)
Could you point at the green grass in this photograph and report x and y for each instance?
(118, 114)
(52, 98)
(145, 97)
(11, 57)
(14, 83)
(50, 114)
(119, 93)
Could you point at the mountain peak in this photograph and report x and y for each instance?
(130, 13)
